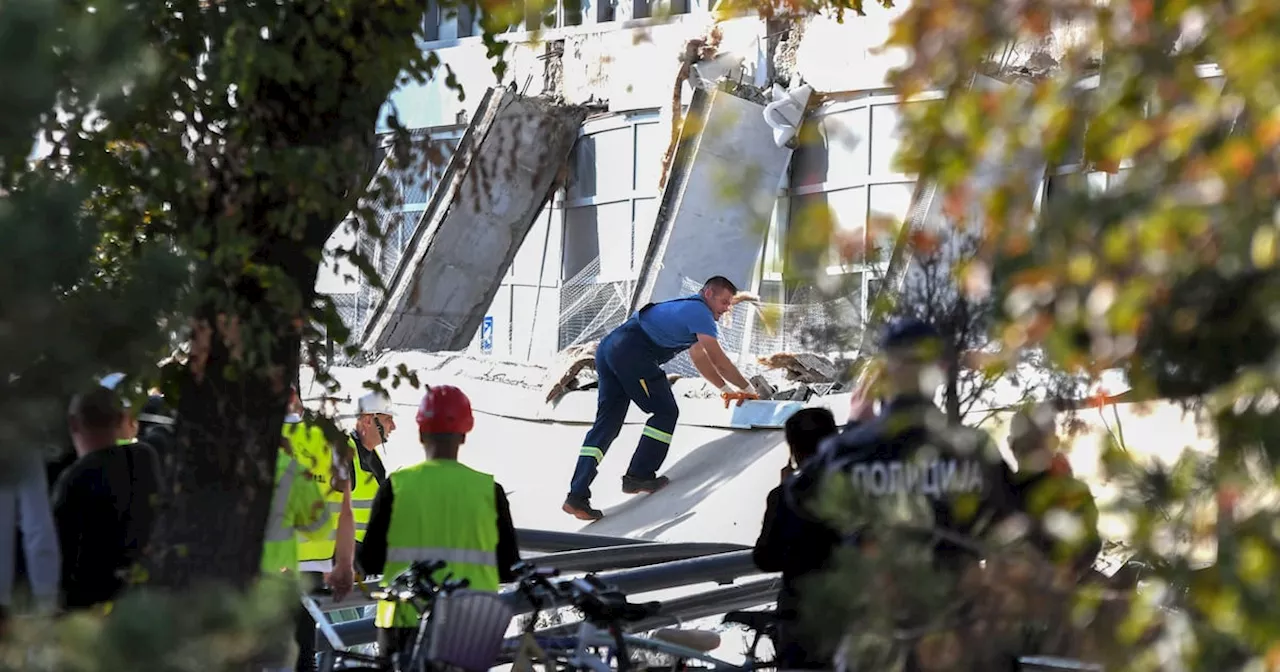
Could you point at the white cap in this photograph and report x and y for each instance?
(374, 402)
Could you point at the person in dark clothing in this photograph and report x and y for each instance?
(1046, 489)
(952, 479)
(103, 504)
(794, 545)
(156, 425)
(438, 510)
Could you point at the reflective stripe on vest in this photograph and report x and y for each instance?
(279, 545)
(312, 449)
(446, 511)
(364, 487)
(453, 556)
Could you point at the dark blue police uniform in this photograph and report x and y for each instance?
(629, 362)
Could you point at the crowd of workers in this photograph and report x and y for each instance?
(336, 513)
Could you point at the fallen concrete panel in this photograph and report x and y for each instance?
(496, 184)
(718, 199)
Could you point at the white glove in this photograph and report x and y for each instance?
(728, 389)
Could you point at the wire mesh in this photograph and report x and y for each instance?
(397, 213)
(808, 319)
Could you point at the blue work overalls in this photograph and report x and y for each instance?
(629, 365)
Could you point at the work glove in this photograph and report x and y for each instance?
(729, 394)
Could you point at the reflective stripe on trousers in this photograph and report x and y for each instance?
(459, 556)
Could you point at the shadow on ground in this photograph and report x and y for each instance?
(693, 479)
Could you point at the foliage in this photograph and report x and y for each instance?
(1166, 274)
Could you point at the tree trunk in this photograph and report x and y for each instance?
(221, 477)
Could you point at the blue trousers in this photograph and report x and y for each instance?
(627, 363)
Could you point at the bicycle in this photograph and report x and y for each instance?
(414, 587)
(601, 640)
(760, 624)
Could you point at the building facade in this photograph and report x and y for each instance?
(572, 276)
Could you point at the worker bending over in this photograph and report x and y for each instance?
(438, 510)
(628, 362)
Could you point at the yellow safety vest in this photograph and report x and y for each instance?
(297, 508)
(313, 452)
(364, 487)
(446, 511)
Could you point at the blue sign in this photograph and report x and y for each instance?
(486, 335)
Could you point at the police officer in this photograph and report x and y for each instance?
(908, 458)
(909, 449)
(628, 362)
(438, 510)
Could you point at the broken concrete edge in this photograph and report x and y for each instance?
(437, 209)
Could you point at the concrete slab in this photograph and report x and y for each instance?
(496, 184)
(718, 199)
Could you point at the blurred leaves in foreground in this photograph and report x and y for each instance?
(203, 630)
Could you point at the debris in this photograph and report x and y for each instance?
(763, 387)
(563, 375)
(804, 367)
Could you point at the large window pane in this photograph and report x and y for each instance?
(643, 213)
(650, 146)
(824, 228)
(847, 145)
(602, 164)
(888, 205)
(809, 161)
(885, 137)
(609, 227)
(581, 244)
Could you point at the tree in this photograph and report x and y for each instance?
(1166, 275)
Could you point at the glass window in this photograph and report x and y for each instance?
(644, 212)
(581, 243)
(809, 161)
(602, 164)
(888, 205)
(886, 137)
(650, 147)
(847, 145)
(824, 229)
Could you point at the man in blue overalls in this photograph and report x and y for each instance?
(628, 361)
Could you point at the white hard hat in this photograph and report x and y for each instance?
(374, 402)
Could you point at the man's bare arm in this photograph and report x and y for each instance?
(724, 366)
(703, 364)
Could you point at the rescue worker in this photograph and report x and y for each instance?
(952, 479)
(628, 362)
(330, 558)
(374, 424)
(438, 510)
(297, 509)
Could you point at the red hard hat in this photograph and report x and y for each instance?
(445, 410)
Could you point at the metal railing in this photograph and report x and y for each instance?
(640, 566)
(637, 567)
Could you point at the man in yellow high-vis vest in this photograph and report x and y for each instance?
(323, 558)
(438, 510)
(375, 421)
(297, 509)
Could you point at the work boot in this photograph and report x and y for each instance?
(634, 486)
(581, 509)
